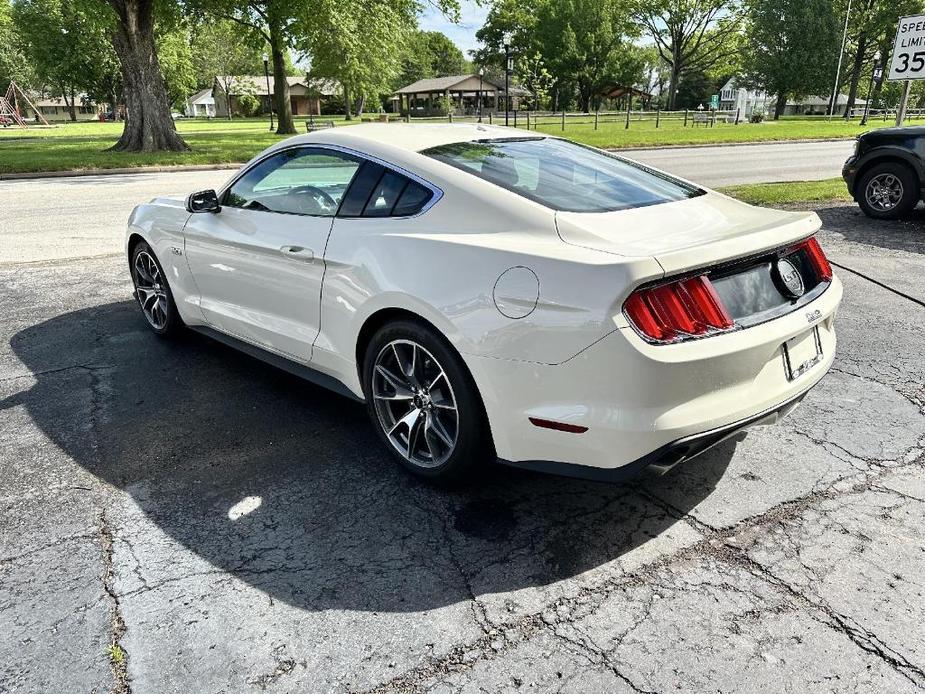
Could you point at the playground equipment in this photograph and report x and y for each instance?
(9, 106)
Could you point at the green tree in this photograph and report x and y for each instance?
(176, 59)
(13, 63)
(63, 43)
(784, 42)
(222, 50)
(586, 45)
(872, 26)
(444, 56)
(360, 46)
(429, 54)
(691, 35)
(149, 126)
(278, 23)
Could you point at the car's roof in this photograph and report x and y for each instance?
(411, 137)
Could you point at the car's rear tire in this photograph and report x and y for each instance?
(153, 292)
(888, 191)
(423, 402)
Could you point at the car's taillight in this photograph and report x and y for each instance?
(678, 310)
(817, 259)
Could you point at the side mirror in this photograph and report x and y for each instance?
(203, 201)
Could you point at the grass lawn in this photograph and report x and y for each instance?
(74, 146)
(777, 194)
(672, 132)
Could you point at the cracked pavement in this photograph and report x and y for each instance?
(178, 517)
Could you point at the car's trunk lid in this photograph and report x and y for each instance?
(689, 234)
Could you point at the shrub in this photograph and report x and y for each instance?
(756, 117)
(249, 105)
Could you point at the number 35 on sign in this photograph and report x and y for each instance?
(908, 61)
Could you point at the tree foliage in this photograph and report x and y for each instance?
(785, 40)
(429, 54)
(584, 45)
(176, 59)
(13, 62)
(360, 45)
(67, 47)
(871, 28)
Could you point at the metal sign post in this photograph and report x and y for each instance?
(908, 61)
(904, 103)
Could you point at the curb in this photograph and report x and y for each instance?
(112, 172)
(704, 145)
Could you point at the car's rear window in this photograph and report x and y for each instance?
(563, 175)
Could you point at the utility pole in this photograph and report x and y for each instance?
(875, 75)
(841, 55)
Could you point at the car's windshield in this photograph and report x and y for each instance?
(563, 175)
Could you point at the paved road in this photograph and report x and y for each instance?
(724, 166)
(91, 210)
(232, 529)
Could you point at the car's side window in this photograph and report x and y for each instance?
(305, 180)
(380, 192)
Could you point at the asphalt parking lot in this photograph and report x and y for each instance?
(176, 517)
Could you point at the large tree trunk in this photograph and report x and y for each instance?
(781, 105)
(285, 124)
(69, 104)
(348, 105)
(856, 68)
(673, 85)
(149, 126)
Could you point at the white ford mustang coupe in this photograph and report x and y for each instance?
(492, 293)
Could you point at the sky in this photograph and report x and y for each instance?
(472, 17)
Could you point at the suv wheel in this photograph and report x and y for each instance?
(423, 402)
(888, 191)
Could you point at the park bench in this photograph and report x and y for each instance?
(312, 126)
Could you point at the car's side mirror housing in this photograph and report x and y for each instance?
(203, 201)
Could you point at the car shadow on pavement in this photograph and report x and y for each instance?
(906, 234)
(285, 486)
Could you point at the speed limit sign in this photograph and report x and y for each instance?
(908, 61)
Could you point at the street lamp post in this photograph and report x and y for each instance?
(507, 74)
(266, 72)
(875, 75)
(481, 76)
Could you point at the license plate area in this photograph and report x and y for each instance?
(802, 353)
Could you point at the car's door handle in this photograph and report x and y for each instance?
(298, 253)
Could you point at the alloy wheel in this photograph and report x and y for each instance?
(415, 404)
(150, 289)
(884, 192)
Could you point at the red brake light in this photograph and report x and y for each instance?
(673, 311)
(817, 259)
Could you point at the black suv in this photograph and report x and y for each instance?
(886, 175)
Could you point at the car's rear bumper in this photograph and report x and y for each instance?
(646, 404)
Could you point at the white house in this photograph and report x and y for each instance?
(200, 105)
(55, 108)
(747, 101)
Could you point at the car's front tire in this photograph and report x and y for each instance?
(888, 191)
(153, 292)
(423, 402)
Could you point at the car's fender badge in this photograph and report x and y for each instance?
(175, 250)
(813, 316)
